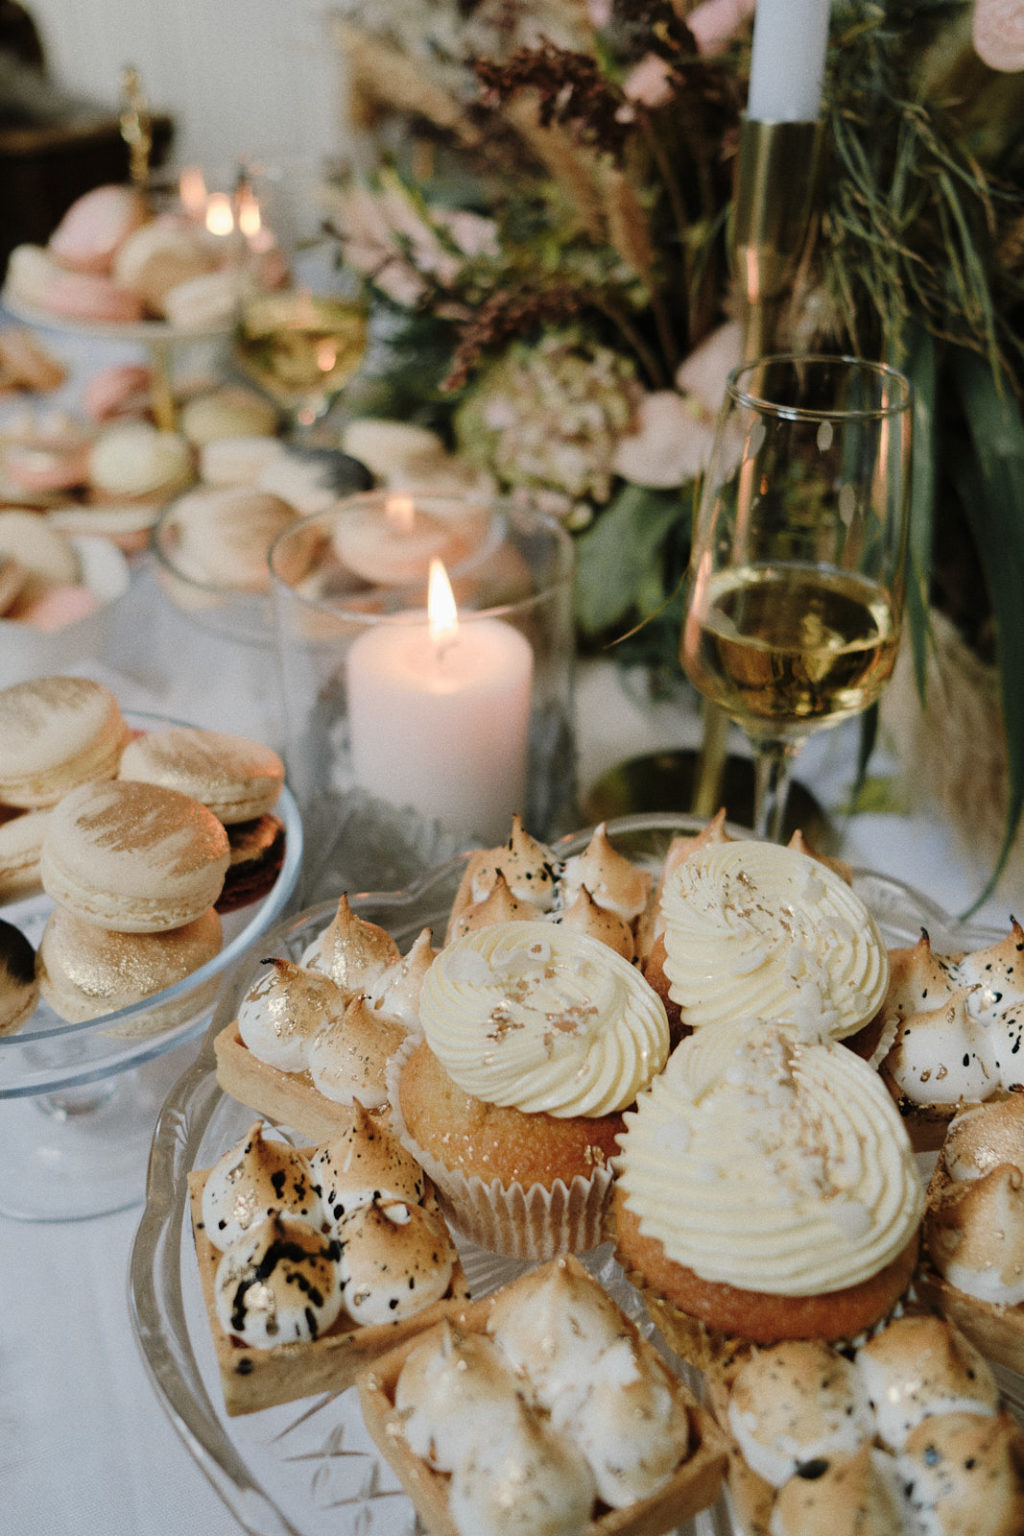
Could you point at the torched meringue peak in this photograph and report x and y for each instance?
(943, 1056)
(252, 1181)
(500, 905)
(351, 951)
(529, 867)
(585, 916)
(453, 1384)
(396, 1258)
(284, 1012)
(279, 1284)
(395, 994)
(363, 1164)
(982, 1136)
(975, 1236)
(919, 1366)
(614, 882)
(856, 1493)
(794, 1403)
(348, 1060)
(998, 972)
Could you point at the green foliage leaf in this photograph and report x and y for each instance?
(921, 367)
(620, 564)
(992, 491)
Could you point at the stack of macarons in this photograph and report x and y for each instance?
(42, 579)
(126, 834)
(113, 259)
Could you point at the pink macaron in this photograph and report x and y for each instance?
(96, 225)
(123, 389)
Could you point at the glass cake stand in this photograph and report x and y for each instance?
(309, 1468)
(78, 1101)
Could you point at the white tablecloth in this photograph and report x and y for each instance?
(84, 1443)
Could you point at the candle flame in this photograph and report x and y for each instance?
(400, 512)
(220, 217)
(442, 614)
(250, 220)
(192, 191)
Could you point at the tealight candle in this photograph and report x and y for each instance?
(439, 715)
(787, 62)
(391, 543)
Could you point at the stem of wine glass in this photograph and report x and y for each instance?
(773, 773)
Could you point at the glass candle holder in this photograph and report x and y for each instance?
(412, 731)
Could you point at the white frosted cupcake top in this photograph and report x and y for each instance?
(770, 1163)
(542, 1018)
(756, 930)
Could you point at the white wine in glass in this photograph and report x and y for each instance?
(302, 348)
(797, 566)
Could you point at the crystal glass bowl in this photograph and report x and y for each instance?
(81, 1099)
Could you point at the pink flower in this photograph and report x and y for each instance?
(714, 23)
(649, 82)
(998, 32)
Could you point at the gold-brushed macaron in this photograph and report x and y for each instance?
(57, 733)
(237, 778)
(133, 857)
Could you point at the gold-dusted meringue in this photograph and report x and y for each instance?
(857, 1493)
(348, 1059)
(975, 1235)
(257, 1178)
(614, 882)
(983, 1136)
(282, 1014)
(919, 1366)
(395, 994)
(452, 1385)
(352, 951)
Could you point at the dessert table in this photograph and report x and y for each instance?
(86, 1446)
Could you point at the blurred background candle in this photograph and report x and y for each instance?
(788, 60)
(439, 715)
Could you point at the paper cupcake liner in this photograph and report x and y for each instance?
(537, 1223)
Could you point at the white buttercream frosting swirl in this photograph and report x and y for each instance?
(770, 1163)
(542, 1018)
(756, 930)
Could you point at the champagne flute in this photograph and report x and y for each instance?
(796, 578)
(302, 342)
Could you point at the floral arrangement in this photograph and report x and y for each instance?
(545, 227)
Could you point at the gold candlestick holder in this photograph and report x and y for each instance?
(778, 180)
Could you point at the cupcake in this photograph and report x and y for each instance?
(535, 1039)
(766, 1190)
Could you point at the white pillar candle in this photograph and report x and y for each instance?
(787, 63)
(440, 721)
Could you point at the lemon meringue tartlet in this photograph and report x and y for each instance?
(315, 1260)
(901, 1436)
(765, 1190)
(310, 1039)
(542, 1408)
(535, 1039)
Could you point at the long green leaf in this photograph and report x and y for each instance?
(619, 558)
(921, 367)
(993, 487)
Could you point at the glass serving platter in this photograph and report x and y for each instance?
(160, 331)
(78, 1100)
(309, 1468)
